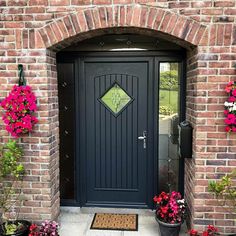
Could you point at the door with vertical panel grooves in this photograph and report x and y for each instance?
(114, 131)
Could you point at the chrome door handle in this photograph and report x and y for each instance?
(144, 138)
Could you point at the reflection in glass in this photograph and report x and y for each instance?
(168, 127)
(116, 99)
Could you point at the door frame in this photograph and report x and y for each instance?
(157, 57)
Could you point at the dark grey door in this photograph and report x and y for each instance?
(114, 163)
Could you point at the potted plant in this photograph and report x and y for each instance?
(47, 228)
(11, 179)
(230, 107)
(210, 231)
(170, 212)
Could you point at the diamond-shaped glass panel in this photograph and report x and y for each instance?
(116, 99)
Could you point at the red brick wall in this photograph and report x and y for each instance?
(30, 30)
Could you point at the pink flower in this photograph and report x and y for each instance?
(232, 99)
(170, 207)
(234, 92)
(234, 129)
(226, 112)
(19, 106)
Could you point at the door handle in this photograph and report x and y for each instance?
(144, 138)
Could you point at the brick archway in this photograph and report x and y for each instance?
(88, 23)
(84, 24)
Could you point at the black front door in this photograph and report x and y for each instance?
(116, 159)
(119, 113)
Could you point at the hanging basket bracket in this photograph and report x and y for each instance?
(22, 81)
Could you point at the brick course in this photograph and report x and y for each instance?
(31, 31)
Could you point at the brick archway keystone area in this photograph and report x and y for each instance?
(76, 24)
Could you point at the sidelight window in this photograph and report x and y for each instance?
(169, 110)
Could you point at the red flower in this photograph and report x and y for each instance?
(205, 233)
(170, 207)
(193, 232)
(33, 227)
(164, 209)
(155, 199)
(211, 228)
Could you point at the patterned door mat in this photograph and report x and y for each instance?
(107, 221)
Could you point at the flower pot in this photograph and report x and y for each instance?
(168, 229)
(24, 231)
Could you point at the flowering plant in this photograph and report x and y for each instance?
(230, 107)
(47, 228)
(211, 231)
(170, 207)
(19, 106)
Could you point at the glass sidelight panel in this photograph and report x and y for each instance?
(168, 126)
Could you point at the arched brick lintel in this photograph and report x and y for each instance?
(165, 22)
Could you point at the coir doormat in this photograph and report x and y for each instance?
(107, 221)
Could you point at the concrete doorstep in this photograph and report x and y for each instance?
(77, 221)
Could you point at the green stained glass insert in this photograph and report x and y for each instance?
(116, 99)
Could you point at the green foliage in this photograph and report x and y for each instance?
(224, 188)
(11, 228)
(165, 110)
(169, 80)
(169, 99)
(10, 155)
(11, 175)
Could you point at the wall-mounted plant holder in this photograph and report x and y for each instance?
(22, 81)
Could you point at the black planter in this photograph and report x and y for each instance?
(22, 232)
(167, 229)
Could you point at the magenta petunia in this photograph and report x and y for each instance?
(234, 92)
(19, 106)
(230, 104)
(232, 99)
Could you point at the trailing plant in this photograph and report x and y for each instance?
(11, 175)
(47, 228)
(230, 107)
(225, 189)
(19, 106)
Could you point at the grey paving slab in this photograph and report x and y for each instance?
(103, 233)
(75, 218)
(73, 229)
(77, 222)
